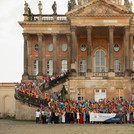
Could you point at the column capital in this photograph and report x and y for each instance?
(68, 34)
(126, 28)
(73, 28)
(89, 27)
(39, 34)
(54, 34)
(111, 27)
(25, 35)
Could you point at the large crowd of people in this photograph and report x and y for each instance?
(73, 111)
(79, 112)
(34, 88)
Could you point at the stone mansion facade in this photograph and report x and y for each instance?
(94, 40)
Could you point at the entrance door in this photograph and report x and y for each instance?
(100, 94)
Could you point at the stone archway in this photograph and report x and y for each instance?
(7, 108)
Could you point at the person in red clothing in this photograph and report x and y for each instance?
(81, 117)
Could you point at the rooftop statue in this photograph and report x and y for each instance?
(54, 7)
(40, 7)
(126, 2)
(73, 3)
(69, 6)
(82, 2)
(26, 8)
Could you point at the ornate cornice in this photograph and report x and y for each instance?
(42, 23)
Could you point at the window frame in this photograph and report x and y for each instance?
(99, 61)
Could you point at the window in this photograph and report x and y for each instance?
(119, 93)
(83, 66)
(81, 94)
(50, 47)
(116, 66)
(100, 65)
(116, 47)
(35, 68)
(83, 47)
(36, 47)
(64, 47)
(64, 66)
(50, 67)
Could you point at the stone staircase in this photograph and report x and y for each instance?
(55, 85)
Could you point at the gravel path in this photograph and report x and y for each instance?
(27, 127)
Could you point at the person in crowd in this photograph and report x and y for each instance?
(81, 116)
(45, 114)
(131, 117)
(87, 116)
(38, 116)
(72, 116)
(75, 116)
(56, 117)
(42, 116)
(63, 116)
(128, 116)
(78, 116)
(84, 116)
(49, 116)
(53, 116)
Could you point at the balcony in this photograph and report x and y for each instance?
(119, 74)
(32, 77)
(100, 74)
(82, 74)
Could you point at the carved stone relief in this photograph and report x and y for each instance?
(98, 9)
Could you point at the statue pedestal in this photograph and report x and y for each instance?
(24, 77)
(111, 74)
(89, 74)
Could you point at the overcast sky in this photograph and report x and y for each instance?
(11, 39)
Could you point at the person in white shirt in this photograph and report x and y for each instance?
(37, 115)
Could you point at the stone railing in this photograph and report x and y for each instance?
(119, 74)
(29, 100)
(32, 77)
(55, 82)
(82, 73)
(46, 18)
(100, 74)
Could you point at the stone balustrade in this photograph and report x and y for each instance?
(45, 18)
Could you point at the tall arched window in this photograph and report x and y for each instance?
(35, 68)
(100, 61)
(50, 67)
(83, 66)
(64, 66)
(116, 66)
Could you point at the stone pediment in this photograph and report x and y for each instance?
(98, 7)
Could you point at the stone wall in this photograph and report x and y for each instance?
(7, 100)
(24, 111)
(90, 86)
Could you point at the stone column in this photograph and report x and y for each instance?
(40, 58)
(74, 66)
(89, 45)
(69, 51)
(25, 75)
(111, 49)
(131, 51)
(127, 52)
(54, 53)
